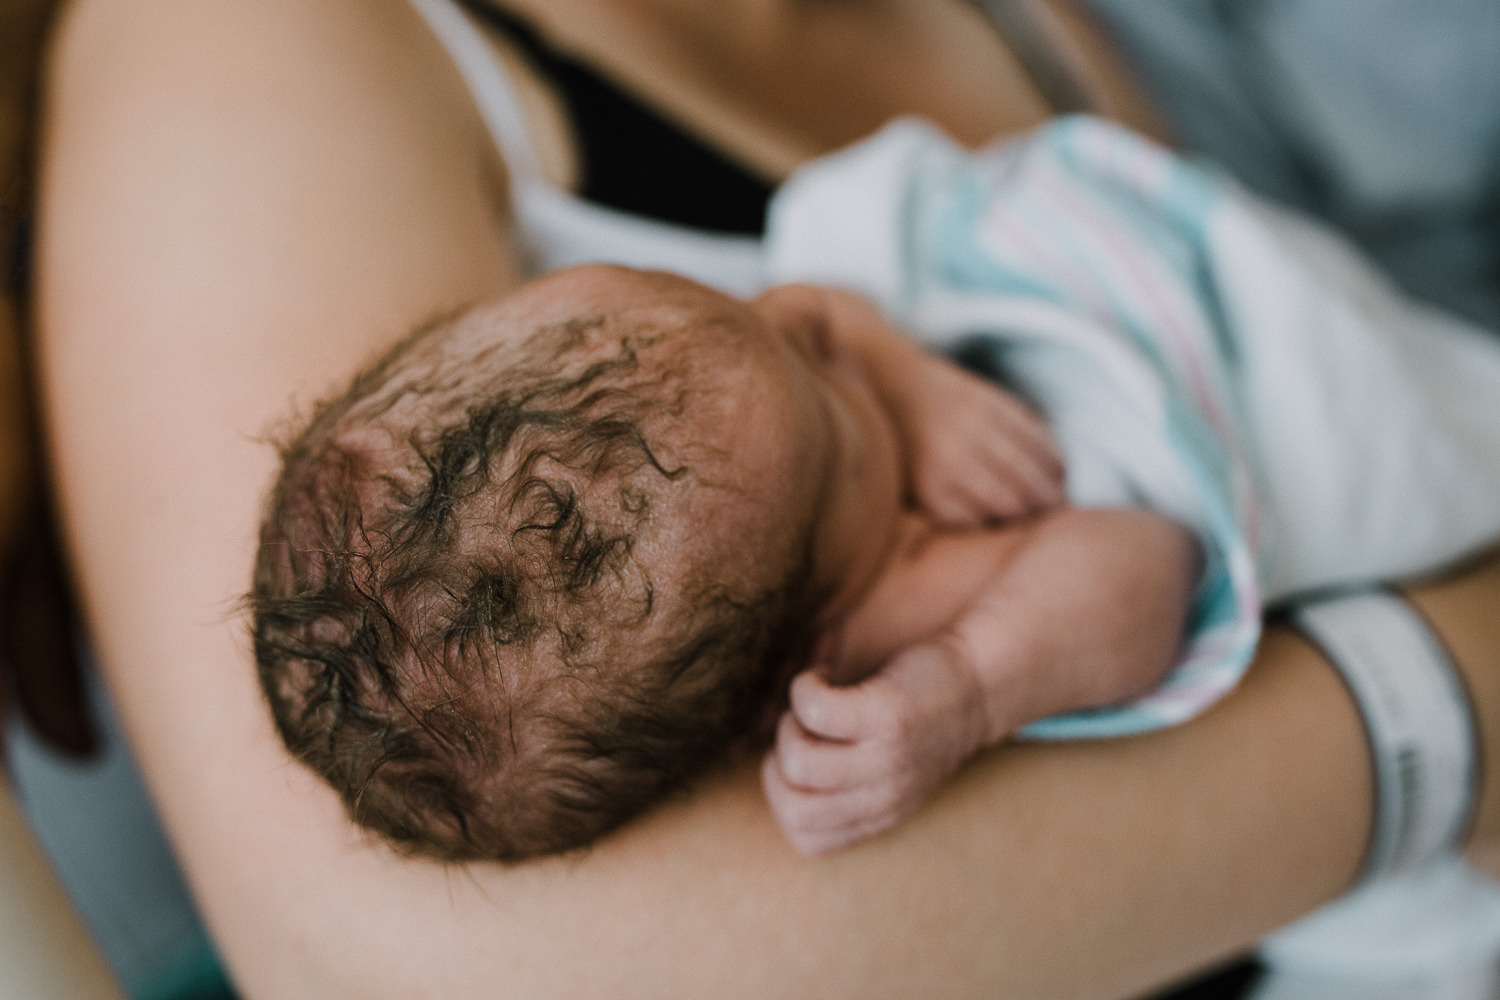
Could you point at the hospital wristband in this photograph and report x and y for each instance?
(1418, 720)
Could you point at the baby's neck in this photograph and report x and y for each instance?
(928, 577)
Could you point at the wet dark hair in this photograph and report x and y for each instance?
(451, 618)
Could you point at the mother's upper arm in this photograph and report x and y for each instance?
(240, 201)
(304, 177)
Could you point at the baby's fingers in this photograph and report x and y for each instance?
(811, 763)
(981, 496)
(1020, 476)
(1016, 438)
(821, 822)
(1014, 420)
(845, 713)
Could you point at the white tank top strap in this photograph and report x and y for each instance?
(490, 85)
(558, 229)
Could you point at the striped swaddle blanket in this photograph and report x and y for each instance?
(1194, 349)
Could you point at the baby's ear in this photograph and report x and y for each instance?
(853, 315)
(793, 302)
(804, 312)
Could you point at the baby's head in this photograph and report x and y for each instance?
(543, 563)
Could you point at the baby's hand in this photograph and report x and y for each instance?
(850, 761)
(977, 454)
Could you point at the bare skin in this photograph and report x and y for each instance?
(1085, 609)
(966, 599)
(336, 190)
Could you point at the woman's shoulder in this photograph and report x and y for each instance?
(217, 44)
(230, 156)
(180, 75)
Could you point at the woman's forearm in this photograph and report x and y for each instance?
(1088, 870)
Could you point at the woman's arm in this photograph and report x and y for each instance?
(244, 199)
(1461, 607)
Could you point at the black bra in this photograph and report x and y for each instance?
(630, 157)
(634, 160)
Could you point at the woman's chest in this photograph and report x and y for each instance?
(775, 82)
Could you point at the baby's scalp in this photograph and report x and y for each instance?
(511, 588)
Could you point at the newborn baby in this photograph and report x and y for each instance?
(545, 562)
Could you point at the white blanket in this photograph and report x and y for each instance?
(1194, 348)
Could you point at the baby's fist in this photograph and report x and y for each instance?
(851, 761)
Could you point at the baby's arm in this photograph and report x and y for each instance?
(1089, 611)
(975, 453)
